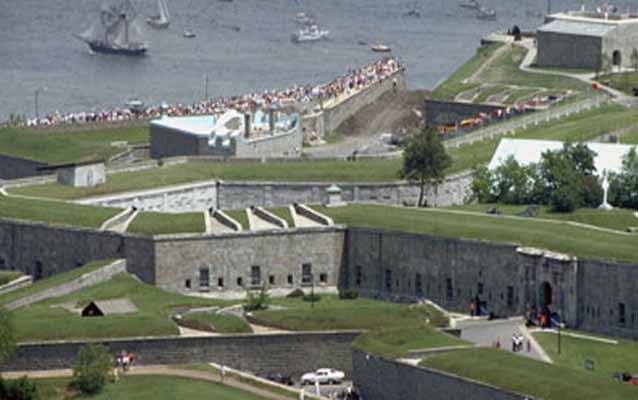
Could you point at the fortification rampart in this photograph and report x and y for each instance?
(17, 167)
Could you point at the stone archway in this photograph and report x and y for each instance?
(616, 58)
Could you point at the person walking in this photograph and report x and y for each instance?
(472, 308)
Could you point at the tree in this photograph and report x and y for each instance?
(425, 161)
(634, 58)
(483, 182)
(7, 339)
(91, 369)
(513, 185)
(623, 187)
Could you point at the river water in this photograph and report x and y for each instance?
(37, 48)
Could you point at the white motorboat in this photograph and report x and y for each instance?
(471, 4)
(311, 33)
(162, 20)
(304, 19)
(188, 34)
(486, 13)
(381, 48)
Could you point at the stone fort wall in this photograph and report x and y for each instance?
(16, 167)
(382, 379)
(239, 195)
(294, 353)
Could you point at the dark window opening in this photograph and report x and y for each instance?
(271, 280)
(187, 283)
(418, 285)
(240, 281)
(388, 280)
(2, 263)
(255, 275)
(204, 278)
(37, 271)
(323, 278)
(306, 274)
(290, 280)
(480, 288)
(621, 313)
(449, 289)
(220, 282)
(358, 278)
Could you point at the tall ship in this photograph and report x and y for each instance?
(162, 20)
(116, 31)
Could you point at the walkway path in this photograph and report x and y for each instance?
(158, 370)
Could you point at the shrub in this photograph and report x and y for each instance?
(295, 294)
(257, 301)
(348, 294)
(18, 389)
(91, 369)
(312, 297)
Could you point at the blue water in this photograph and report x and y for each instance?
(37, 48)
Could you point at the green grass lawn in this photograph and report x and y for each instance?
(630, 137)
(505, 71)
(213, 322)
(618, 218)
(155, 223)
(240, 216)
(55, 280)
(46, 320)
(557, 237)
(454, 85)
(486, 92)
(7, 276)
(608, 358)
(55, 212)
(62, 147)
(624, 81)
(283, 213)
(333, 313)
(397, 342)
(521, 374)
(147, 388)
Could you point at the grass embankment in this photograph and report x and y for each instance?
(630, 137)
(47, 320)
(455, 84)
(155, 223)
(55, 212)
(212, 322)
(624, 81)
(240, 216)
(505, 70)
(7, 276)
(618, 219)
(53, 281)
(146, 388)
(607, 358)
(283, 213)
(63, 147)
(528, 376)
(562, 238)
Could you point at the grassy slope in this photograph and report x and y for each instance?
(67, 146)
(55, 280)
(239, 216)
(396, 342)
(7, 276)
(154, 223)
(55, 212)
(147, 388)
(41, 321)
(332, 313)
(557, 237)
(608, 358)
(283, 213)
(630, 137)
(454, 85)
(618, 219)
(624, 82)
(219, 323)
(528, 376)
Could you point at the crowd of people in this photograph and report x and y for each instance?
(300, 95)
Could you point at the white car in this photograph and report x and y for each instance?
(323, 375)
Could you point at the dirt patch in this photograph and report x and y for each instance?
(392, 112)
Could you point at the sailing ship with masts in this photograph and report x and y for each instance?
(116, 31)
(162, 20)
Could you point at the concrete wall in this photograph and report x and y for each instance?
(278, 254)
(286, 145)
(568, 51)
(624, 39)
(287, 353)
(451, 112)
(166, 142)
(16, 167)
(238, 195)
(82, 175)
(381, 379)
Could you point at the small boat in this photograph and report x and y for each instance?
(304, 19)
(470, 4)
(486, 13)
(311, 33)
(189, 34)
(413, 13)
(162, 20)
(116, 31)
(381, 48)
(135, 105)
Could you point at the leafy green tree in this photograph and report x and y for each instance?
(634, 58)
(257, 300)
(7, 338)
(425, 161)
(623, 188)
(91, 369)
(513, 185)
(482, 185)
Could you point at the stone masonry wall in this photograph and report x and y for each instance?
(568, 51)
(294, 353)
(229, 260)
(16, 167)
(381, 379)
